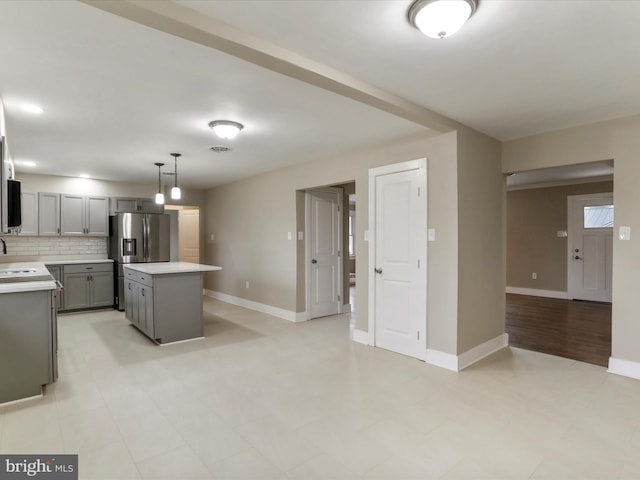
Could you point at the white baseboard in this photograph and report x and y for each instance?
(483, 350)
(346, 308)
(442, 359)
(361, 336)
(462, 361)
(534, 292)
(259, 307)
(626, 368)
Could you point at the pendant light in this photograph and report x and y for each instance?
(175, 191)
(159, 195)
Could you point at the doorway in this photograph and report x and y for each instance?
(398, 257)
(541, 243)
(185, 233)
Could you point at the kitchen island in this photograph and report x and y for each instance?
(28, 330)
(164, 300)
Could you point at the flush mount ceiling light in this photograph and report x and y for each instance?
(175, 191)
(159, 195)
(441, 18)
(226, 128)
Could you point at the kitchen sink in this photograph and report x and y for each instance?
(18, 272)
(11, 275)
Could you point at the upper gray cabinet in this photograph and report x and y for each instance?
(49, 214)
(29, 204)
(84, 215)
(139, 205)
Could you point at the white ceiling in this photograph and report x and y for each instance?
(119, 96)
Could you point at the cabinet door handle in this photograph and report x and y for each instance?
(58, 229)
(142, 292)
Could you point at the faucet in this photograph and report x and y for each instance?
(4, 246)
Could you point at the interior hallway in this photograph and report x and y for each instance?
(262, 398)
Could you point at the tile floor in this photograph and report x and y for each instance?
(262, 398)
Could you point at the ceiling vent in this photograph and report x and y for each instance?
(219, 148)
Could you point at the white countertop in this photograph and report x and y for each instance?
(72, 262)
(163, 268)
(27, 285)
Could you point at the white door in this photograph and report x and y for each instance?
(324, 252)
(399, 268)
(189, 235)
(590, 245)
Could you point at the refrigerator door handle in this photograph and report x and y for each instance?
(145, 238)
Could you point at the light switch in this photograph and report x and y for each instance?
(300, 235)
(431, 234)
(366, 235)
(562, 233)
(289, 236)
(213, 237)
(624, 233)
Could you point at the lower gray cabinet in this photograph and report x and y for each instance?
(88, 285)
(165, 307)
(56, 273)
(138, 306)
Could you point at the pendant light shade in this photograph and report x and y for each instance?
(441, 18)
(159, 195)
(226, 128)
(176, 194)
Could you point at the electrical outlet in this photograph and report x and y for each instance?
(534, 276)
(246, 285)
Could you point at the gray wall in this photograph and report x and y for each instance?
(534, 217)
(251, 239)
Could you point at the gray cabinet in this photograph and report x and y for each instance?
(166, 308)
(28, 344)
(138, 205)
(139, 304)
(88, 285)
(84, 215)
(29, 205)
(56, 273)
(48, 214)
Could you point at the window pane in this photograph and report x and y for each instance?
(600, 216)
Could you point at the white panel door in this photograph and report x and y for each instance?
(400, 262)
(189, 235)
(324, 240)
(590, 247)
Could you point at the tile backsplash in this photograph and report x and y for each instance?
(22, 247)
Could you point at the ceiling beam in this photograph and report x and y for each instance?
(194, 26)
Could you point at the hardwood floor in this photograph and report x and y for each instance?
(567, 328)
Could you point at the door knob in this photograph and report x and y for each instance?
(314, 260)
(378, 271)
(577, 257)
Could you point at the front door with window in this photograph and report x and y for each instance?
(590, 247)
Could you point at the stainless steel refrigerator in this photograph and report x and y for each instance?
(137, 238)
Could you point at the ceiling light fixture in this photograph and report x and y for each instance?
(226, 128)
(31, 108)
(159, 195)
(175, 191)
(441, 18)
